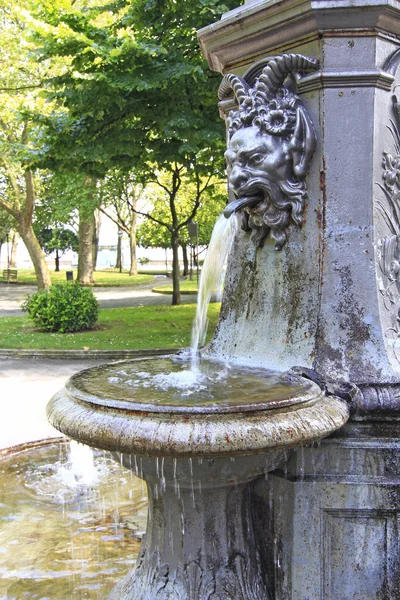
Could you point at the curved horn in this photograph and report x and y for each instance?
(276, 71)
(237, 84)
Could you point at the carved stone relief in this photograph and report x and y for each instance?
(389, 246)
(359, 553)
(270, 146)
(236, 579)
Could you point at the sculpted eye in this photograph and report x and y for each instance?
(256, 159)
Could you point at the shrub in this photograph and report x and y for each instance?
(62, 308)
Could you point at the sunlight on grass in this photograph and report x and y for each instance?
(187, 287)
(102, 278)
(140, 328)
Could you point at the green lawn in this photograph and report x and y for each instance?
(106, 278)
(187, 287)
(141, 328)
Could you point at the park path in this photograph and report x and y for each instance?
(26, 385)
(11, 296)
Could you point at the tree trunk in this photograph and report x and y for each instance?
(118, 262)
(132, 241)
(85, 252)
(185, 260)
(176, 291)
(35, 252)
(14, 248)
(57, 260)
(96, 236)
(25, 229)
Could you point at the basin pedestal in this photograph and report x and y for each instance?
(200, 462)
(200, 538)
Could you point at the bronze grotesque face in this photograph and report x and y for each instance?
(271, 144)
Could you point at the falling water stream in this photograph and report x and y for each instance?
(212, 279)
(194, 378)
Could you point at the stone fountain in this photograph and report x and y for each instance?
(201, 447)
(333, 301)
(200, 457)
(242, 505)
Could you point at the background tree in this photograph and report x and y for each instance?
(159, 228)
(72, 198)
(120, 194)
(14, 249)
(137, 92)
(96, 235)
(22, 108)
(57, 240)
(6, 225)
(18, 182)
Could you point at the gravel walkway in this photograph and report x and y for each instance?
(11, 297)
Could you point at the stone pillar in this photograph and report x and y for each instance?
(329, 300)
(333, 513)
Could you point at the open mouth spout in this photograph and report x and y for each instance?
(240, 203)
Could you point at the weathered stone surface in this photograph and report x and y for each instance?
(200, 460)
(336, 535)
(200, 541)
(329, 300)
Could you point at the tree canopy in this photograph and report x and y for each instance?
(134, 89)
(120, 85)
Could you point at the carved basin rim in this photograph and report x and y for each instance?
(207, 434)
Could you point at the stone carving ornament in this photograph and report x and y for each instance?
(389, 246)
(271, 143)
(237, 580)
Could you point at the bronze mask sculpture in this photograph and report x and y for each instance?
(271, 142)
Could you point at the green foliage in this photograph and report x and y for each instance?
(122, 84)
(132, 77)
(63, 195)
(62, 308)
(22, 109)
(57, 239)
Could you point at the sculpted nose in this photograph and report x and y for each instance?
(238, 177)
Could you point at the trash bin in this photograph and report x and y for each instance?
(70, 275)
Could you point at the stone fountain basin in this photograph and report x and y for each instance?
(199, 440)
(126, 407)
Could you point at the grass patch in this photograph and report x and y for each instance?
(107, 278)
(139, 328)
(187, 287)
(155, 272)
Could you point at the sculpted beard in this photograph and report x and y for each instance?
(269, 207)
